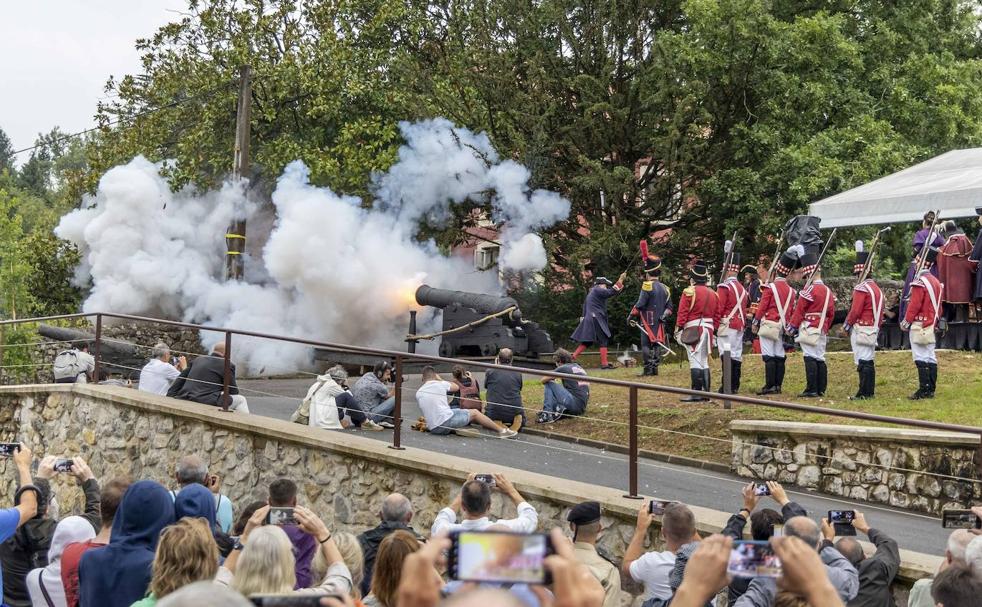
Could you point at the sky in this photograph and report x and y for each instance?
(56, 55)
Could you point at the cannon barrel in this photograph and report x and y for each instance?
(479, 302)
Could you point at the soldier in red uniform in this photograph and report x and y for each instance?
(863, 325)
(811, 321)
(733, 306)
(920, 320)
(694, 326)
(773, 312)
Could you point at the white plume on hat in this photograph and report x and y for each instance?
(797, 251)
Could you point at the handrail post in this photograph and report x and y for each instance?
(97, 368)
(227, 377)
(397, 412)
(633, 446)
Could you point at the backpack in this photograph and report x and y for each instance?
(470, 396)
(67, 364)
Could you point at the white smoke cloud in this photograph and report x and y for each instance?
(331, 268)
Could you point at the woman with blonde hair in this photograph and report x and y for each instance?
(186, 553)
(262, 561)
(354, 558)
(392, 553)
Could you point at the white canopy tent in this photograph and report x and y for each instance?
(951, 182)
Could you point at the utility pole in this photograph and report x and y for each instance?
(235, 236)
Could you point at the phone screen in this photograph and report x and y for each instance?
(960, 519)
(753, 559)
(657, 507)
(842, 517)
(761, 489)
(63, 465)
(492, 556)
(487, 479)
(281, 516)
(778, 530)
(8, 449)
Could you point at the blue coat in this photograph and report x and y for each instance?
(594, 327)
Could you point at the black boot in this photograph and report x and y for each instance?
(822, 379)
(923, 381)
(768, 376)
(655, 360)
(865, 390)
(811, 378)
(707, 383)
(696, 376)
(779, 373)
(646, 369)
(735, 370)
(932, 369)
(870, 378)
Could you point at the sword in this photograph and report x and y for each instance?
(650, 335)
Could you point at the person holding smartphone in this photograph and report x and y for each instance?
(653, 569)
(26, 500)
(877, 572)
(474, 502)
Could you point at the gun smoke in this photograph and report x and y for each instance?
(333, 268)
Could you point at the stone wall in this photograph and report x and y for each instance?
(341, 476)
(927, 471)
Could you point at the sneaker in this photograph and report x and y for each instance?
(544, 417)
(507, 433)
(387, 425)
(370, 425)
(558, 414)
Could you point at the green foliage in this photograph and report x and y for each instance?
(19, 358)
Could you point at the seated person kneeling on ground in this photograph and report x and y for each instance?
(568, 397)
(203, 381)
(440, 418)
(505, 393)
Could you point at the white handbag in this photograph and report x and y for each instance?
(919, 334)
(868, 336)
(772, 329)
(810, 336)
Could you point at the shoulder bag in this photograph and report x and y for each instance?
(810, 336)
(771, 329)
(919, 334)
(867, 336)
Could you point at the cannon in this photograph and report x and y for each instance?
(478, 325)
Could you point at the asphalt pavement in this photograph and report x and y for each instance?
(279, 398)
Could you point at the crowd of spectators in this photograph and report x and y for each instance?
(143, 544)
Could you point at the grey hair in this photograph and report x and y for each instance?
(804, 529)
(958, 541)
(191, 469)
(338, 373)
(160, 350)
(396, 508)
(204, 593)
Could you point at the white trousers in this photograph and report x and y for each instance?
(699, 352)
(859, 351)
(735, 341)
(923, 353)
(817, 351)
(239, 404)
(771, 347)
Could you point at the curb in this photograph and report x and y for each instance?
(668, 458)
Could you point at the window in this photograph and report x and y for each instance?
(486, 256)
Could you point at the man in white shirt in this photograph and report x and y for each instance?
(474, 502)
(157, 375)
(678, 527)
(440, 418)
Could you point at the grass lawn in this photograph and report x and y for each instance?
(701, 430)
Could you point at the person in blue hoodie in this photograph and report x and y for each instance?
(196, 501)
(118, 574)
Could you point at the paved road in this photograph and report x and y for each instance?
(576, 462)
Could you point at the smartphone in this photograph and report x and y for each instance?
(753, 559)
(281, 515)
(841, 521)
(657, 506)
(8, 449)
(63, 465)
(487, 479)
(499, 556)
(960, 519)
(778, 530)
(761, 489)
(291, 600)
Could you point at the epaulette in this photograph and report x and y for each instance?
(690, 291)
(647, 285)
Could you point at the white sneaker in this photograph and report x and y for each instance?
(507, 433)
(370, 425)
(387, 425)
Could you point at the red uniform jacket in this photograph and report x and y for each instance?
(866, 297)
(698, 302)
(768, 307)
(811, 301)
(921, 308)
(730, 292)
(955, 270)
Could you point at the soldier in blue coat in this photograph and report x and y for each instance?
(654, 304)
(594, 327)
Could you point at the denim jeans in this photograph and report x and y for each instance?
(556, 394)
(382, 412)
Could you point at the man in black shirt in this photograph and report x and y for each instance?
(396, 513)
(204, 382)
(568, 397)
(876, 573)
(504, 400)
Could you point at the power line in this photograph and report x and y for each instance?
(172, 104)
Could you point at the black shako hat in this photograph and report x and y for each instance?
(698, 271)
(584, 514)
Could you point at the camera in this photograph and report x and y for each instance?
(657, 507)
(841, 521)
(761, 489)
(8, 449)
(63, 465)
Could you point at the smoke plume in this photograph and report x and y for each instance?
(332, 268)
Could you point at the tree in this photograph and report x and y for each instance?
(6, 153)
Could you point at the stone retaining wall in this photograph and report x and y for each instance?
(342, 476)
(927, 471)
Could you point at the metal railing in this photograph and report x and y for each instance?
(633, 388)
